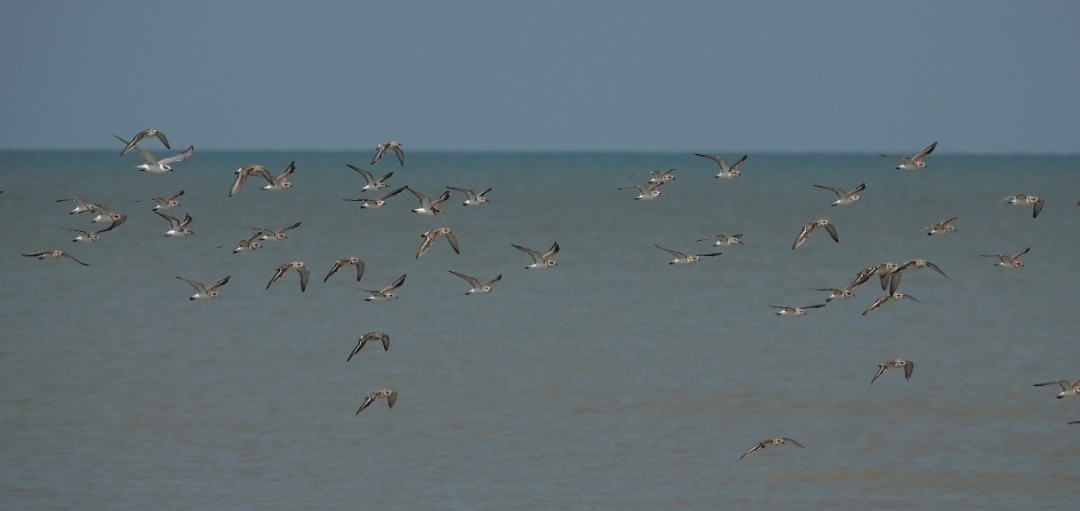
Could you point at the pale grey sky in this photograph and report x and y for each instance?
(830, 75)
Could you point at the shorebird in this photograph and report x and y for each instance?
(205, 293)
(915, 162)
(908, 366)
(914, 263)
(150, 132)
(945, 226)
(81, 206)
(372, 183)
(893, 296)
(243, 173)
(88, 237)
(808, 228)
(720, 240)
(838, 294)
(155, 166)
(1009, 261)
(385, 294)
(248, 244)
(472, 198)
(844, 198)
(540, 261)
(726, 171)
(104, 213)
(392, 145)
(369, 337)
(273, 235)
(54, 254)
(645, 192)
(769, 443)
(389, 394)
(300, 268)
(1021, 199)
(476, 288)
(176, 227)
(167, 203)
(681, 258)
(432, 235)
(428, 206)
(661, 176)
(280, 182)
(883, 270)
(795, 311)
(376, 203)
(355, 261)
(1067, 389)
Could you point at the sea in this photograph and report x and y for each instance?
(613, 380)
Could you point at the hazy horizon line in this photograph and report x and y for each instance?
(791, 152)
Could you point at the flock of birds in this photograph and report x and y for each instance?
(889, 273)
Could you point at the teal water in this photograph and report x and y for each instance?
(612, 381)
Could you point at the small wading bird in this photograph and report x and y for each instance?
(392, 145)
(838, 294)
(1009, 261)
(476, 288)
(351, 260)
(88, 237)
(149, 132)
(915, 162)
(54, 254)
(432, 235)
(945, 226)
(369, 337)
(280, 182)
(726, 171)
(809, 228)
(271, 234)
(427, 206)
(540, 261)
(81, 206)
(1021, 199)
(155, 166)
(376, 203)
(1067, 389)
(660, 176)
(681, 258)
(103, 213)
(916, 263)
(167, 203)
(472, 198)
(243, 173)
(205, 293)
(389, 394)
(249, 244)
(844, 198)
(893, 296)
(176, 227)
(645, 192)
(795, 311)
(385, 294)
(720, 240)
(769, 443)
(884, 271)
(908, 366)
(300, 268)
(372, 183)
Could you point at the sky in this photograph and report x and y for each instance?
(741, 76)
